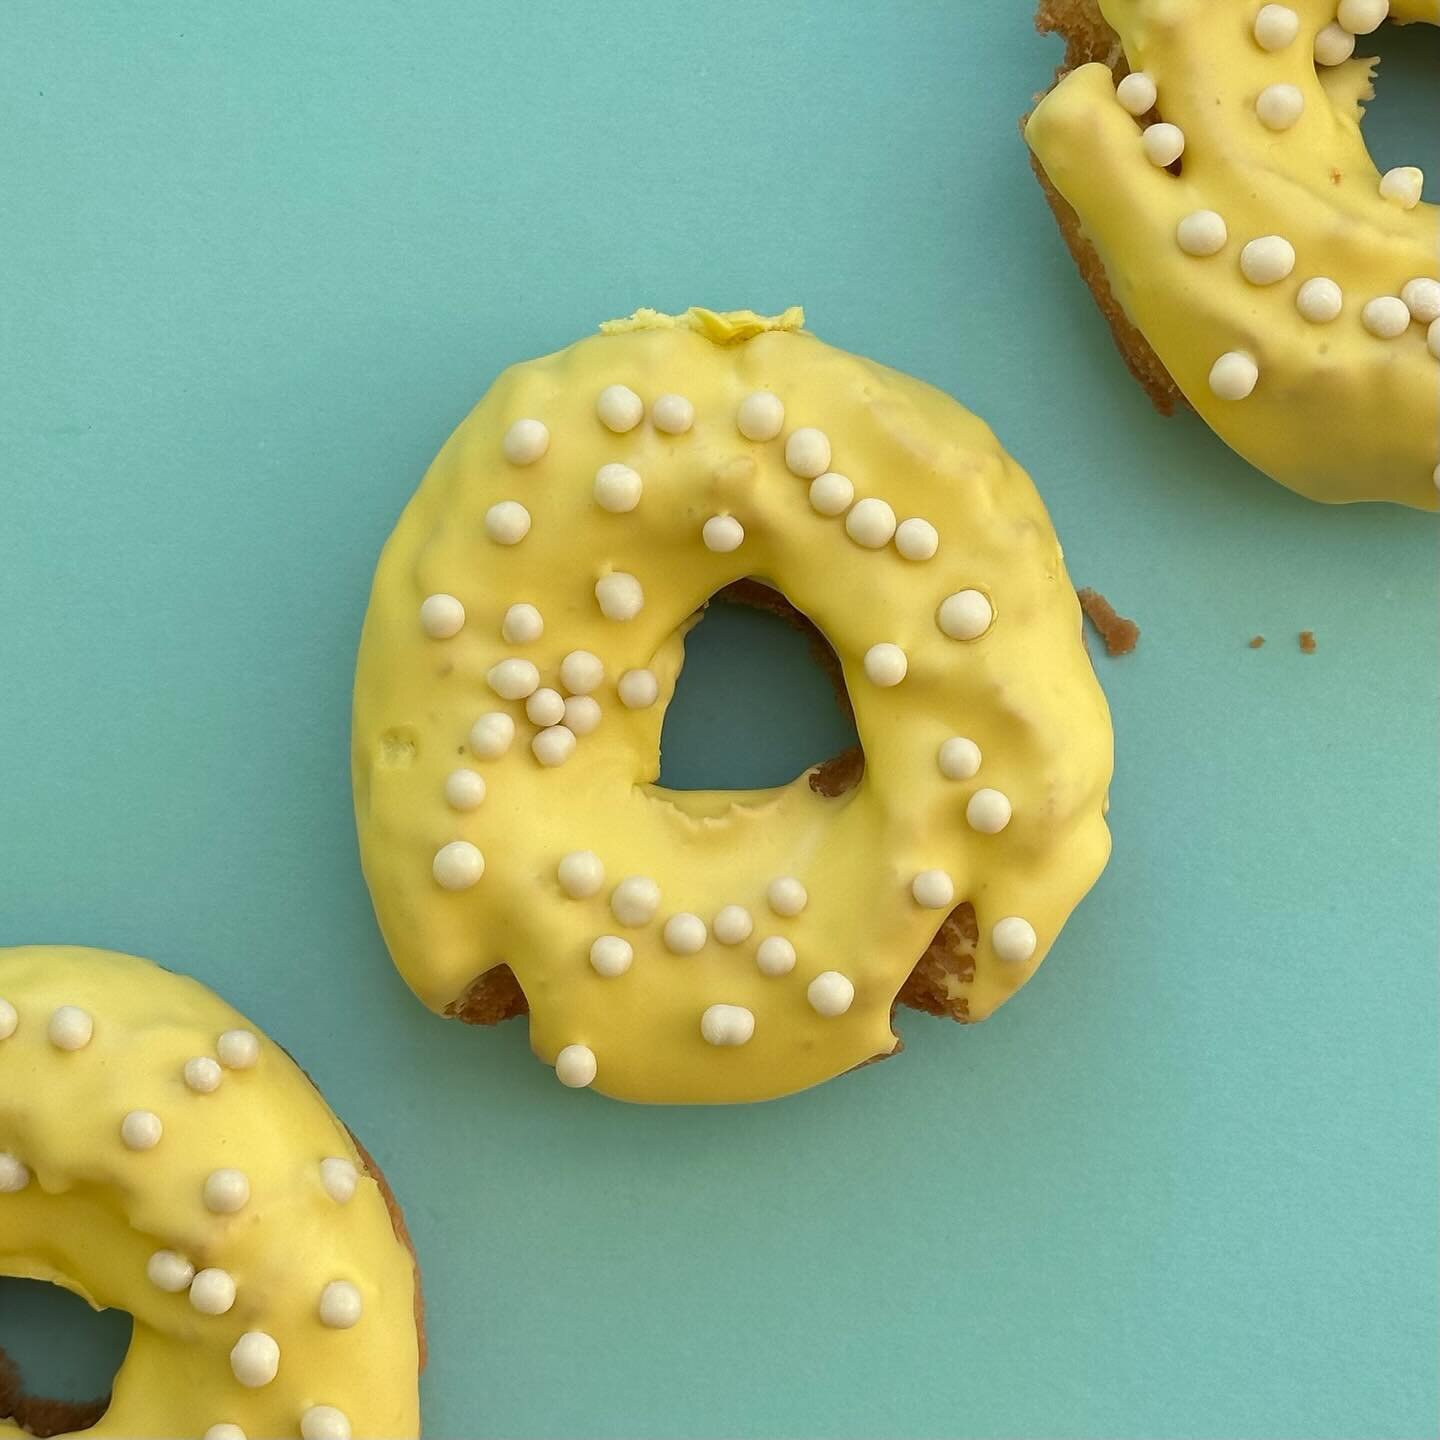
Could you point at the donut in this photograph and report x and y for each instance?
(525, 632)
(1206, 165)
(159, 1155)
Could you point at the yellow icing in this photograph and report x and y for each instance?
(1024, 692)
(94, 1211)
(1338, 414)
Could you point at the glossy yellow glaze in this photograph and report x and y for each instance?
(1024, 692)
(94, 1211)
(1338, 414)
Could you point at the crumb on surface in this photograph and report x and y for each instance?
(1256, 641)
(1119, 634)
(1307, 641)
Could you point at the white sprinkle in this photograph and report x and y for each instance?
(1013, 939)
(786, 895)
(70, 1028)
(965, 615)
(581, 873)
(870, 523)
(807, 452)
(441, 616)
(1334, 45)
(727, 1025)
(491, 735)
(1267, 259)
(1163, 144)
(9, 1019)
(212, 1292)
(761, 416)
(225, 1432)
(465, 789)
(1432, 338)
(988, 811)
(685, 934)
(553, 746)
(522, 625)
(545, 707)
(582, 714)
(14, 1175)
(619, 408)
(1279, 106)
(611, 956)
(831, 493)
(168, 1271)
(885, 665)
(581, 672)
(575, 1066)
(1233, 376)
(226, 1192)
(507, 522)
(513, 679)
(141, 1130)
(634, 901)
(1422, 299)
(457, 866)
(775, 956)
(339, 1179)
(958, 758)
(639, 689)
(1136, 93)
(525, 442)
(933, 889)
(618, 488)
(1202, 232)
(1386, 317)
(1276, 26)
(324, 1422)
(722, 534)
(238, 1049)
(732, 925)
(830, 993)
(916, 539)
(340, 1305)
(619, 596)
(202, 1075)
(673, 414)
(1319, 300)
(1360, 17)
(1402, 186)
(255, 1359)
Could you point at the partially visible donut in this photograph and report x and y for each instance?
(159, 1155)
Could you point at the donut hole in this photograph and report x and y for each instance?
(58, 1357)
(1399, 123)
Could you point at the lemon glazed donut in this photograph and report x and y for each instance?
(159, 1155)
(1250, 258)
(524, 636)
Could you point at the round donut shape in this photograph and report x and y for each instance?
(1251, 259)
(733, 945)
(159, 1155)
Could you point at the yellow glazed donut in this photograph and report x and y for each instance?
(160, 1155)
(1286, 287)
(524, 637)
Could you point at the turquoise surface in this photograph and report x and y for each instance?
(258, 260)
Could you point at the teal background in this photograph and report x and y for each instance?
(258, 259)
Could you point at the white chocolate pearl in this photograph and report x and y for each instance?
(212, 1292)
(1422, 299)
(933, 889)
(1267, 259)
(1360, 17)
(988, 811)
(1233, 376)
(255, 1359)
(639, 689)
(226, 1192)
(673, 414)
(619, 596)
(958, 758)
(885, 664)
(513, 679)
(522, 625)
(870, 523)
(441, 616)
(581, 672)
(581, 873)
(202, 1075)
(324, 1422)
(761, 416)
(14, 1175)
(732, 925)
(831, 493)
(575, 1066)
(457, 866)
(1163, 144)
(141, 1130)
(611, 956)
(1432, 338)
(619, 408)
(1334, 45)
(339, 1179)
(786, 895)
(965, 615)
(635, 900)
(491, 735)
(545, 707)
(727, 1025)
(1013, 939)
(1202, 232)
(70, 1028)
(168, 1271)
(916, 539)
(685, 934)
(553, 746)
(1136, 93)
(507, 522)
(582, 714)
(1276, 26)
(830, 993)
(340, 1305)
(807, 452)
(1319, 300)
(1279, 106)
(525, 442)
(722, 534)
(464, 789)
(238, 1049)
(775, 956)
(1386, 317)
(618, 488)
(1402, 186)
(9, 1019)
(225, 1431)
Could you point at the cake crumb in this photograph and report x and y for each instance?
(1256, 641)
(1307, 641)
(1119, 634)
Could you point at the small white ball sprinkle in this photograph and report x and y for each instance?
(441, 616)
(513, 679)
(545, 707)
(761, 416)
(255, 1359)
(507, 522)
(775, 956)
(619, 596)
(1136, 93)
(238, 1049)
(553, 746)
(727, 1025)
(226, 1192)
(581, 873)
(1233, 376)
(225, 1431)
(885, 665)
(786, 895)
(620, 409)
(14, 1174)
(1279, 106)
(639, 689)
(965, 615)
(522, 625)
(1202, 233)
(673, 414)
(324, 1422)
(141, 1130)
(340, 1305)
(1319, 300)
(634, 901)
(491, 735)
(722, 534)
(1432, 338)
(1360, 17)
(1386, 317)
(212, 1292)
(202, 1075)
(1422, 299)
(582, 714)
(732, 925)
(1276, 26)
(525, 442)
(807, 452)
(1334, 45)
(1402, 186)
(685, 934)
(1013, 939)
(168, 1271)
(611, 956)
(831, 493)
(618, 488)
(870, 523)
(830, 993)
(457, 866)
(575, 1066)
(933, 889)
(958, 758)
(916, 539)
(581, 672)
(988, 811)
(70, 1028)
(1163, 144)
(9, 1019)
(1267, 259)
(339, 1178)
(465, 789)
